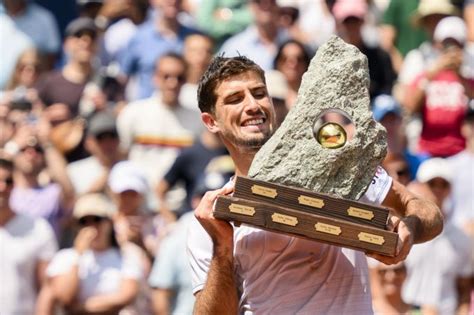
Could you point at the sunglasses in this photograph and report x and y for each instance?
(90, 220)
(89, 33)
(167, 76)
(106, 135)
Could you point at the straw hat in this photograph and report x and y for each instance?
(431, 7)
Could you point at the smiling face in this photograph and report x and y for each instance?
(244, 115)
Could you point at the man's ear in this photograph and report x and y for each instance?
(210, 122)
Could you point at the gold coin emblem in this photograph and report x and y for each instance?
(331, 136)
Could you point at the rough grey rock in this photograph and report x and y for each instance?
(337, 77)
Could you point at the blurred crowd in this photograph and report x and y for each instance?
(103, 154)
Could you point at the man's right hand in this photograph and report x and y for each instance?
(220, 231)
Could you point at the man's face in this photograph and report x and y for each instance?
(244, 115)
(168, 8)
(82, 46)
(265, 12)
(170, 76)
(30, 160)
(6, 186)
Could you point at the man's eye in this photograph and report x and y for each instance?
(260, 94)
(234, 100)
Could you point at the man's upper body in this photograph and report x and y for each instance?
(261, 39)
(235, 104)
(154, 130)
(36, 22)
(26, 246)
(154, 38)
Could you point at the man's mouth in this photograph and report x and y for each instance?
(253, 122)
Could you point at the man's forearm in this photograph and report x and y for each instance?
(219, 295)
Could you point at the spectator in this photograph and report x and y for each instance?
(97, 275)
(441, 93)
(388, 112)
(27, 70)
(438, 271)
(26, 246)
(156, 37)
(292, 59)
(67, 85)
(261, 39)
(386, 285)
(90, 175)
(186, 169)
(223, 18)
(133, 222)
(462, 165)
(13, 42)
(38, 23)
(31, 196)
(397, 33)
(350, 16)
(197, 53)
(154, 130)
(397, 167)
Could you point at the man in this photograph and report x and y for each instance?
(26, 246)
(154, 38)
(248, 270)
(90, 175)
(154, 130)
(261, 39)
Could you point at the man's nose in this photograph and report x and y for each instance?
(252, 104)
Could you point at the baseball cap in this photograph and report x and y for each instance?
(276, 84)
(451, 27)
(346, 8)
(125, 176)
(431, 7)
(432, 168)
(101, 122)
(383, 105)
(92, 204)
(80, 24)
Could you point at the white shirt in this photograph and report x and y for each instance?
(279, 274)
(24, 242)
(99, 272)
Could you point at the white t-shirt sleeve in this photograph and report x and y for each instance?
(62, 262)
(48, 245)
(199, 248)
(378, 188)
(132, 266)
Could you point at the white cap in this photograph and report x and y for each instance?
(432, 168)
(125, 176)
(92, 204)
(451, 27)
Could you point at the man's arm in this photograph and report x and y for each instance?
(417, 220)
(219, 295)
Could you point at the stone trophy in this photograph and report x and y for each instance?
(306, 180)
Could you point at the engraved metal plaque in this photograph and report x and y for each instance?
(360, 213)
(371, 238)
(312, 202)
(327, 228)
(241, 209)
(284, 219)
(264, 191)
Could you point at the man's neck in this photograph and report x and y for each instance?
(77, 72)
(242, 160)
(26, 180)
(210, 141)
(6, 214)
(168, 27)
(267, 33)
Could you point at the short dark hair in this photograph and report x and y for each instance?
(307, 53)
(6, 163)
(219, 69)
(171, 54)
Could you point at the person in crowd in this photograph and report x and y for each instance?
(278, 90)
(67, 85)
(27, 71)
(386, 282)
(397, 167)
(260, 40)
(34, 195)
(90, 175)
(38, 23)
(13, 42)
(223, 19)
(26, 246)
(133, 222)
(161, 34)
(96, 275)
(170, 278)
(388, 112)
(440, 94)
(154, 130)
(197, 53)
(462, 185)
(292, 59)
(398, 35)
(235, 105)
(438, 272)
(350, 16)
